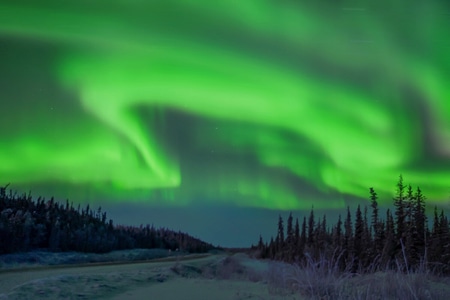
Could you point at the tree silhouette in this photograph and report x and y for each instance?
(404, 241)
(399, 204)
(27, 224)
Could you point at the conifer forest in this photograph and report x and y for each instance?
(362, 241)
(27, 224)
(366, 241)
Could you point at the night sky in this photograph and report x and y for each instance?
(213, 117)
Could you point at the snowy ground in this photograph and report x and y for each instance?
(211, 276)
(216, 276)
(46, 258)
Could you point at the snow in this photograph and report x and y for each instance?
(218, 276)
(211, 276)
(180, 288)
(45, 258)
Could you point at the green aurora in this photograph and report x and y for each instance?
(266, 104)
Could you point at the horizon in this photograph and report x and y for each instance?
(252, 223)
(236, 113)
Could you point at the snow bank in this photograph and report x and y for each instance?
(46, 258)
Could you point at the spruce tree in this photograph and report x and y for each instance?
(399, 203)
(380, 240)
(296, 233)
(337, 235)
(374, 205)
(376, 226)
(390, 242)
(289, 244)
(435, 243)
(323, 229)
(296, 249)
(272, 248)
(314, 250)
(400, 216)
(358, 238)
(407, 234)
(367, 240)
(420, 220)
(320, 237)
(289, 230)
(280, 235)
(410, 234)
(444, 240)
(311, 225)
(348, 236)
(260, 244)
(409, 205)
(303, 238)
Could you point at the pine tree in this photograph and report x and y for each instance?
(280, 236)
(311, 225)
(296, 233)
(296, 238)
(290, 229)
(374, 205)
(337, 235)
(410, 234)
(303, 239)
(435, 243)
(320, 237)
(367, 240)
(407, 234)
(375, 225)
(260, 244)
(380, 240)
(444, 240)
(323, 229)
(289, 244)
(390, 242)
(358, 239)
(272, 249)
(348, 236)
(409, 205)
(420, 220)
(399, 203)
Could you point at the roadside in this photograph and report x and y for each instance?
(43, 258)
(180, 257)
(214, 276)
(43, 278)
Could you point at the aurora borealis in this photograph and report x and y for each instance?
(276, 105)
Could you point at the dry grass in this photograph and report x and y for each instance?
(315, 279)
(321, 279)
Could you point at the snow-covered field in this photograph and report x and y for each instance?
(45, 258)
(216, 276)
(212, 276)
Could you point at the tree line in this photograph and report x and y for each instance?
(27, 224)
(400, 239)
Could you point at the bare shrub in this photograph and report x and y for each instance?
(185, 270)
(254, 276)
(229, 268)
(322, 279)
(233, 267)
(277, 278)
